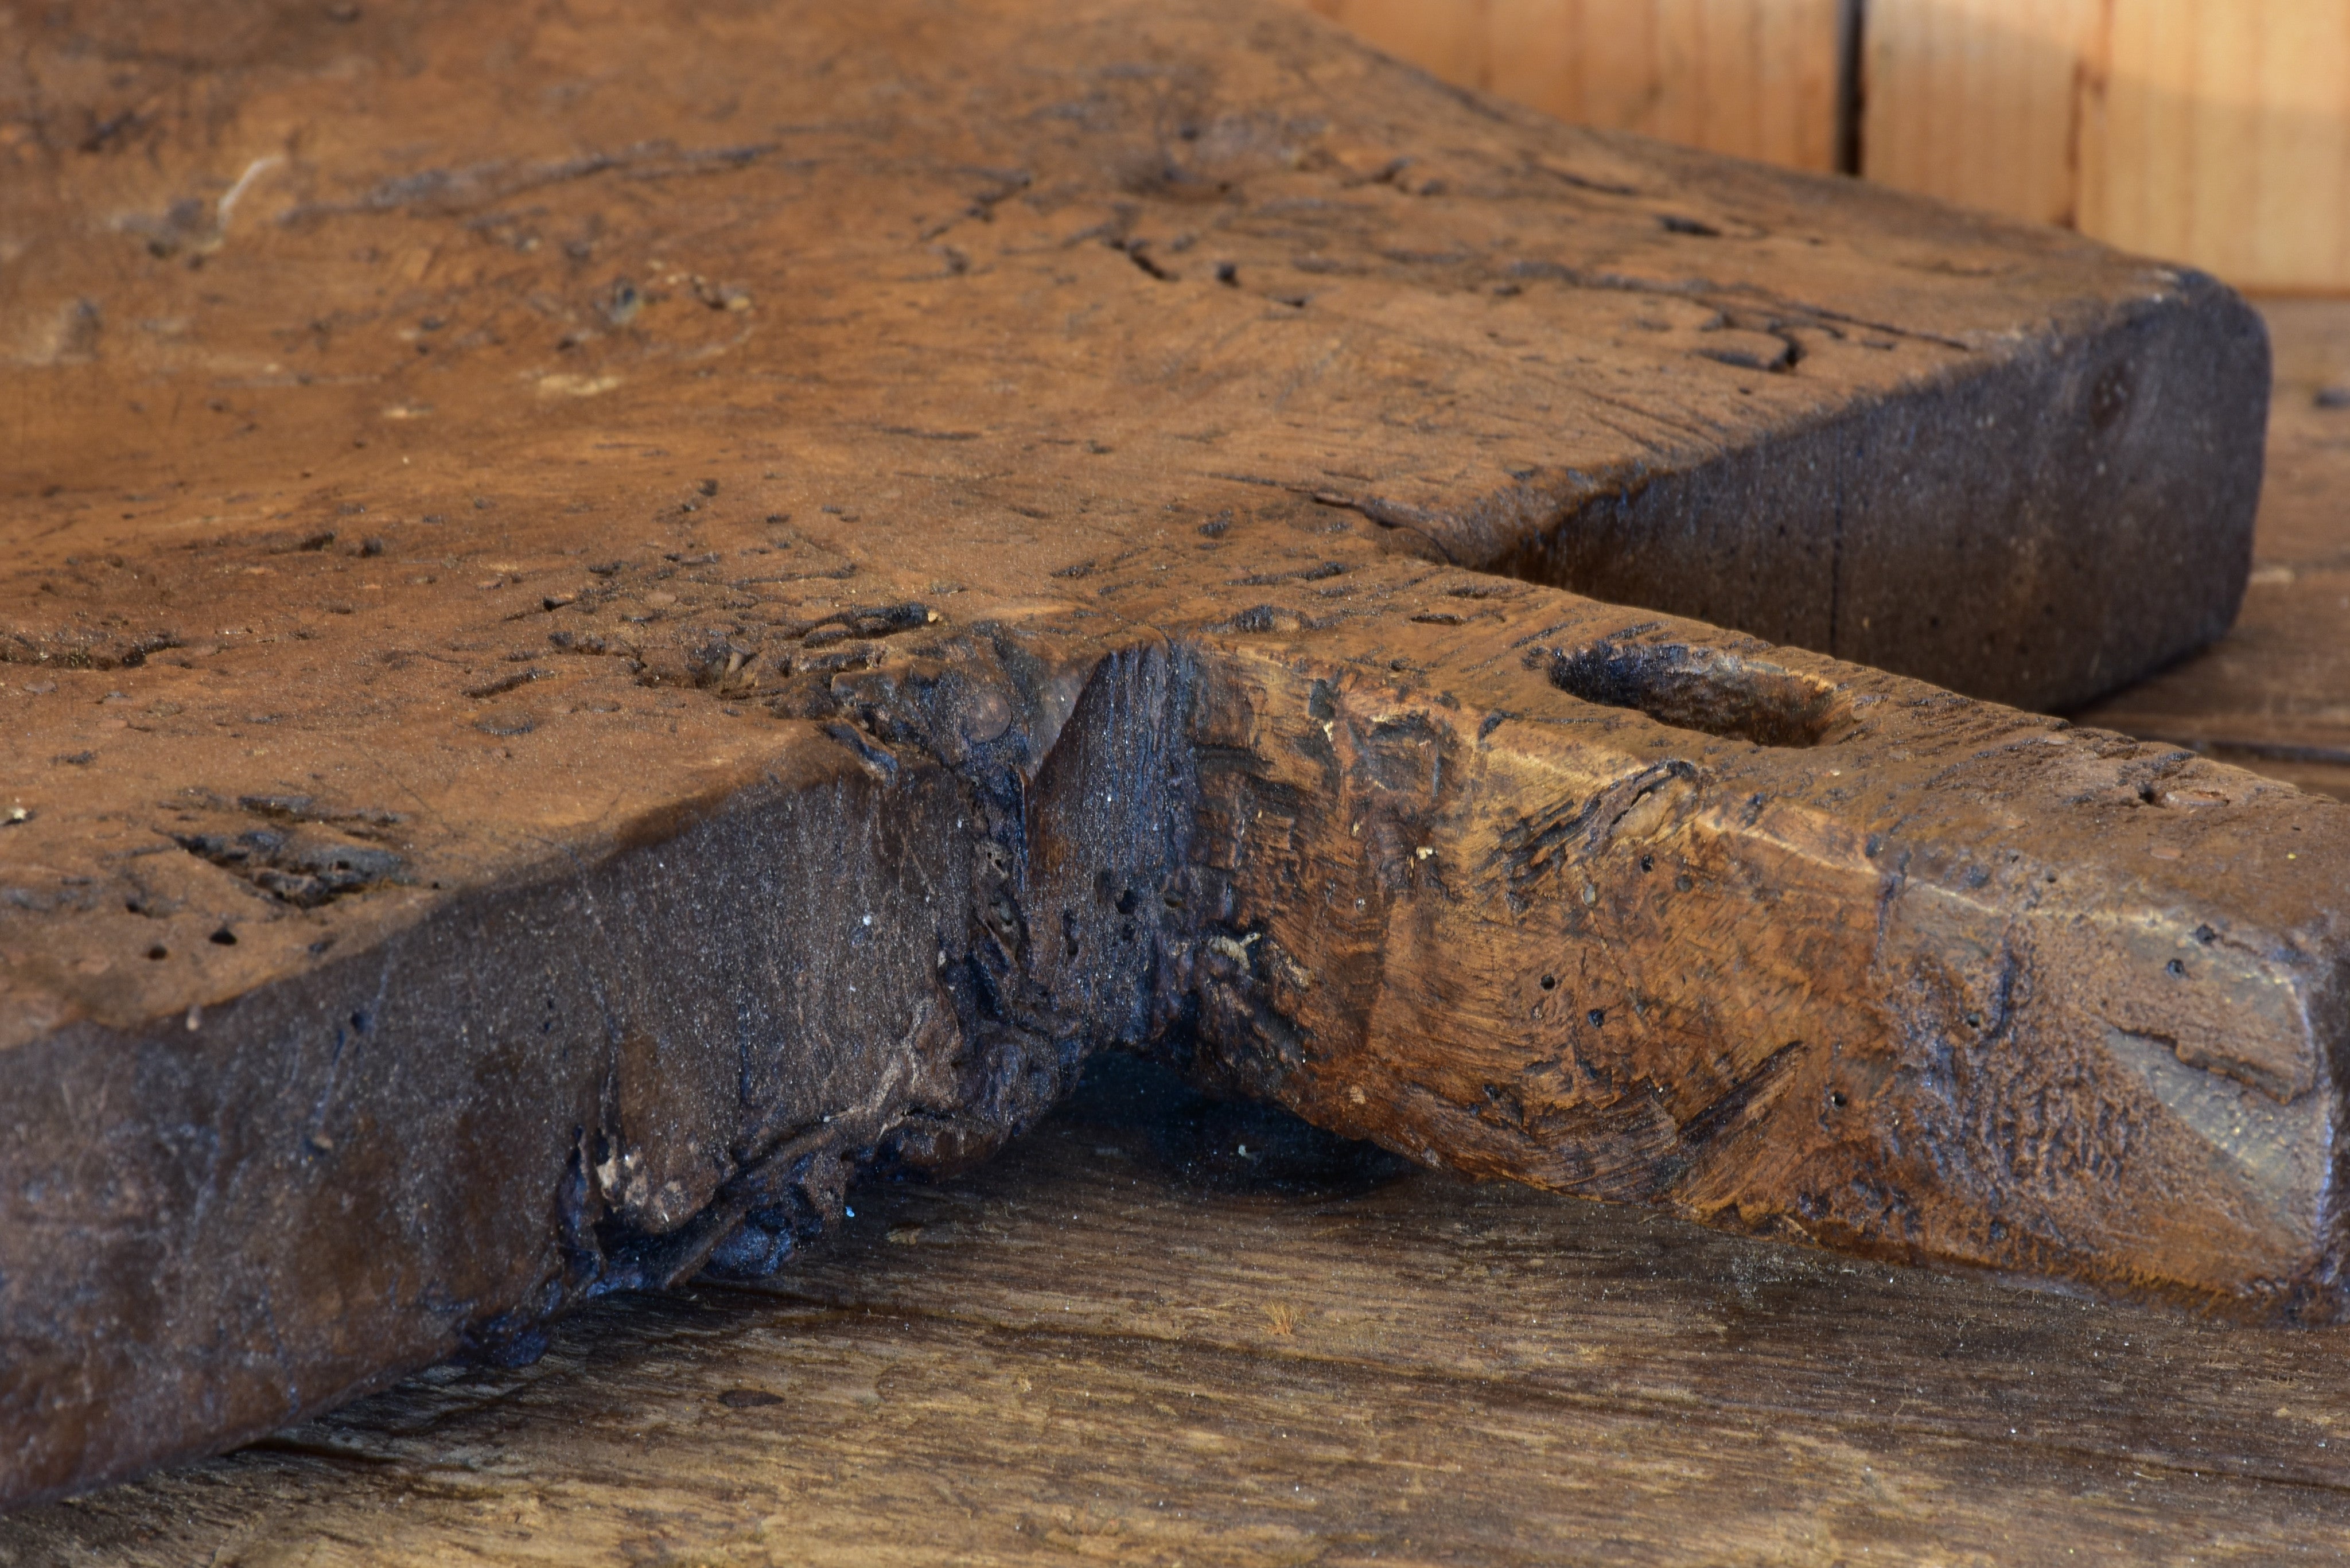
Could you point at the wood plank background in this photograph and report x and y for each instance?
(1754, 77)
(2215, 132)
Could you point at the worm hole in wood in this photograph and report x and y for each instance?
(1701, 689)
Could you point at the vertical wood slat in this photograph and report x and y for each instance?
(2219, 131)
(2215, 132)
(1976, 100)
(1755, 78)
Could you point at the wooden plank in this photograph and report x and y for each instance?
(1714, 327)
(1125, 1340)
(2273, 695)
(581, 669)
(1453, 41)
(1978, 101)
(1755, 78)
(2213, 132)
(2220, 133)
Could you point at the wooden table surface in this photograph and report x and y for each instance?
(1128, 1342)
(1160, 1330)
(661, 602)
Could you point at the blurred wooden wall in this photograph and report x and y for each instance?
(1756, 78)
(2215, 132)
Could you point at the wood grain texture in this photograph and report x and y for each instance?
(1128, 1341)
(2210, 131)
(619, 613)
(1755, 78)
(1978, 101)
(1784, 359)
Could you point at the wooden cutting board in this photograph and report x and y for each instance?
(618, 616)
(1123, 1339)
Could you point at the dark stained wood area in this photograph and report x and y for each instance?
(1131, 1341)
(2273, 695)
(618, 614)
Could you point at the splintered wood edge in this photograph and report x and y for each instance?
(1617, 905)
(643, 1001)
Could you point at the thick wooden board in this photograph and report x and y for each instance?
(1126, 1342)
(2273, 695)
(617, 676)
(966, 1371)
(1770, 403)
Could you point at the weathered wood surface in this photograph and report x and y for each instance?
(2213, 132)
(596, 647)
(1220, 246)
(1113, 1345)
(2273, 695)
(1127, 1340)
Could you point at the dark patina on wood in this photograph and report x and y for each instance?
(1126, 1339)
(617, 618)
